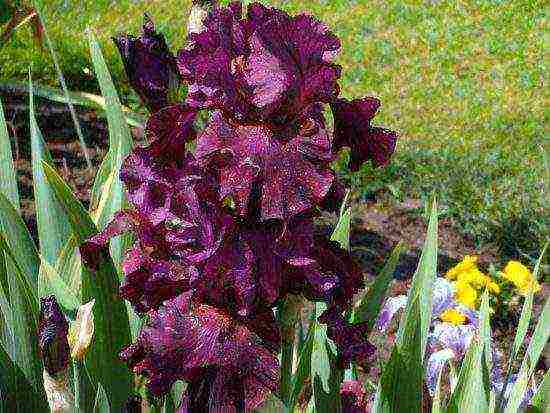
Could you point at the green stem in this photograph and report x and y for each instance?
(77, 378)
(289, 313)
(157, 407)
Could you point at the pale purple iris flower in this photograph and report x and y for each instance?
(447, 342)
(442, 299)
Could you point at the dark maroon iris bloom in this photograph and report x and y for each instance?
(353, 396)
(352, 128)
(351, 339)
(149, 64)
(168, 253)
(224, 234)
(289, 170)
(167, 132)
(52, 336)
(254, 264)
(268, 67)
(228, 363)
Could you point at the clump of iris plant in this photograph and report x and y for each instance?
(223, 234)
(453, 326)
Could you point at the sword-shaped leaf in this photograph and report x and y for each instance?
(8, 177)
(51, 221)
(112, 329)
(108, 194)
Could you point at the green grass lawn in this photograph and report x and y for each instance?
(461, 81)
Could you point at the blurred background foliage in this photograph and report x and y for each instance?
(462, 82)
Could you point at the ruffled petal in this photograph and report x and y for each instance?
(455, 337)
(267, 67)
(229, 278)
(352, 128)
(184, 340)
(436, 362)
(177, 224)
(304, 49)
(95, 249)
(292, 185)
(208, 64)
(249, 270)
(290, 177)
(329, 274)
(442, 296)
(168, 130)
(351, 339)
(390, 308)
(148, 281)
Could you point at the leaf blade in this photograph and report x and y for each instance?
(8, 177)
(370, 305)
(24, 318)
(472, 389)
(525, 317)
(13, 383)
(341, 233)
(539, 339)
(101, 404)
(422, 282)
(67, 299)
(406, 360)
(51, 221)
(112, 330)
(110, 197)
(20, 240)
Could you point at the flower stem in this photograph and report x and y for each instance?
(77, 378)
(289, 313)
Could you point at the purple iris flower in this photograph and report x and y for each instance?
(224, 234)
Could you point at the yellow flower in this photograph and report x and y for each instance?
(484, 281)
(493, 287)
(468, 263)
(465, 294)
(453, 316)
(519, 275)
(474, 277)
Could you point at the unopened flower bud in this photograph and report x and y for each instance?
(198, 13)
(82, 331)
(52, 336)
